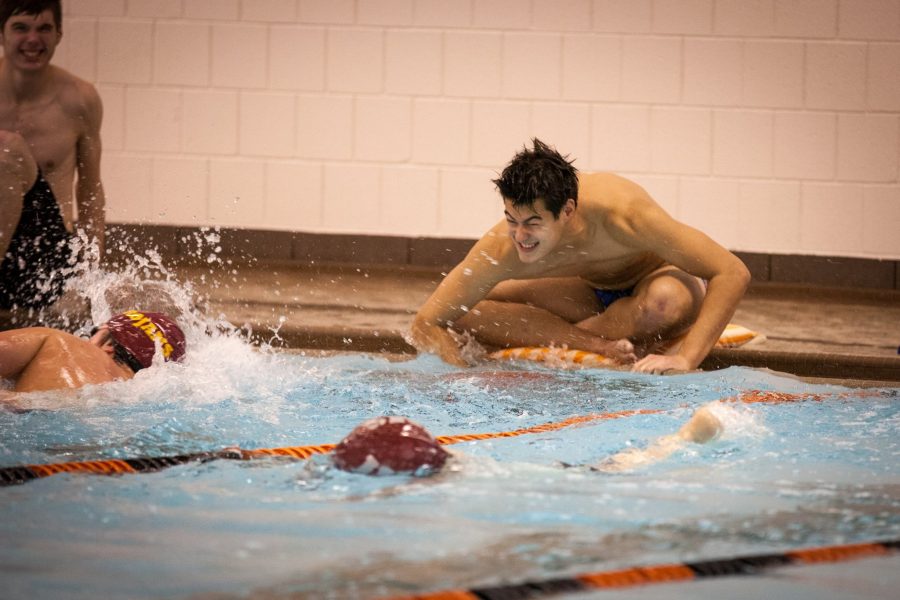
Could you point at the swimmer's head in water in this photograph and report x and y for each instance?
(540, 173)
(386, 445)
(138, 334)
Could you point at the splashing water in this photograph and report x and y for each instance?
(94, 292)
(216, 349)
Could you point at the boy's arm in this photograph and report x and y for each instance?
(466, 285)
(434, 339)
(89, 191)
(647, 226)
(18, 347)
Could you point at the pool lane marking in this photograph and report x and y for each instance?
(21, 474)
(755, 564)
(301, 452)
(471, 437)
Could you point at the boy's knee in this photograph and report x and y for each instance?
(668, 303)
(17, 165)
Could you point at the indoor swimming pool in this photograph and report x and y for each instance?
(813, 465)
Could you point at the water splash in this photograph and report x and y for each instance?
(739, 421)
(221, 363)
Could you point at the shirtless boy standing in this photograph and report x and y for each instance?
(49, 132)
(590, 261)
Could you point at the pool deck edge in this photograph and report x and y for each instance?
(819, 365)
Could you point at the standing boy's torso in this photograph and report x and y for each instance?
(52, 122)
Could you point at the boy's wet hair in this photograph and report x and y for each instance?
(539, 173)
(10, 8)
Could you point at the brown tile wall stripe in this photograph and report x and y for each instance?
(434, 252)
(369, 250)
(834, 271)
(180, 244)
(760, 265)
(264, 245)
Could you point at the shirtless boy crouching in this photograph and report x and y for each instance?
(41, 359)
(590, 261)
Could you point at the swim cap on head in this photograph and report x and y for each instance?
(139, 332)
(386, 445)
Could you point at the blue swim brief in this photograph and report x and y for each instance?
(607, 297)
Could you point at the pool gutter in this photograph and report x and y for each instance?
(821, 365)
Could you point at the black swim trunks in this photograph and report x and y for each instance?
(607, 297)
(37, 262)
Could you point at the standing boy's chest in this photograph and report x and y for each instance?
(51, 134)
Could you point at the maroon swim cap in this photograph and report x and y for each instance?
(386, 445)
(139, 332)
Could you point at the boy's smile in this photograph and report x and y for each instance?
(533, 229)
(31, 40)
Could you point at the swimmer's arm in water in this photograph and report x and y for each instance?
(18, 348)
(701, 428)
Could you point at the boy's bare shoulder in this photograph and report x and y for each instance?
(608, 195)
(48, 333)
(75, 94)
(28, 331)
(494, 248)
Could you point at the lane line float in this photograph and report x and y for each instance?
(756, 564)
(24, 473)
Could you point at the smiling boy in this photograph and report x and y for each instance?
(589, 261)
(49, 133)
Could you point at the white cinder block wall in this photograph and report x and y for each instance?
(773, 125)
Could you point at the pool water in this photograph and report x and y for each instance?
(782, 476)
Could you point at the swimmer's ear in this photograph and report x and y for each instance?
(568, 208)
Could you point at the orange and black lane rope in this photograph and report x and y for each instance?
(22, 474)
(666, 573)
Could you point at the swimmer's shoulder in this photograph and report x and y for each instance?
(28, 334)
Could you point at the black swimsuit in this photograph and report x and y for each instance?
(34, 269)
